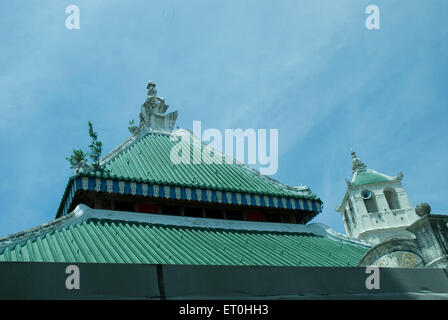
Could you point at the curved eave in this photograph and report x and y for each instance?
(148, 238)
(369, 176)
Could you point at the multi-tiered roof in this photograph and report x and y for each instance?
(142, 208)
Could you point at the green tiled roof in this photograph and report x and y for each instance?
(96, 240)
(148, 160)
(367, 177)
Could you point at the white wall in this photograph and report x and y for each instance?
(378, 226)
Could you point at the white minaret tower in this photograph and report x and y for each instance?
(375, 207)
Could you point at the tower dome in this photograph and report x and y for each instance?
(375, 206)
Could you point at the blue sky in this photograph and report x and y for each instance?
(309, 68)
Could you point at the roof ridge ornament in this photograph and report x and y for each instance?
(357, 164)
(152, 115)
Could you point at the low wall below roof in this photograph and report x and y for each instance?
(30, 280)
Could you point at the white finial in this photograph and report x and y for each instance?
(152, 92)
(153, 114)
(357, 164)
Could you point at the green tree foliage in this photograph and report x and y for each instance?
(78, 159)
(131, 127)
(96, 147)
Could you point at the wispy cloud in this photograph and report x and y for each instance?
(308, 68)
